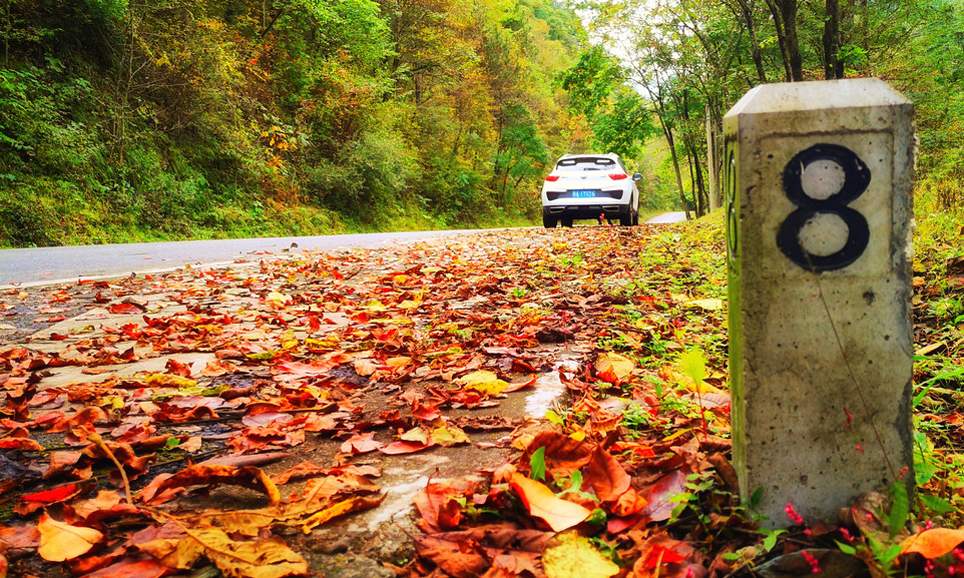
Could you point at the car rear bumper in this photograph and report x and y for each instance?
(583, 211)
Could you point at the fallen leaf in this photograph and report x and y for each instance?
(361, 444)
(354, 504)
(570, 555)
(613, 367)
(132, 568)
(706, 304)
(932, 543)
(607, 476)
(485, 382)
(246, 476)
(405, 447)
(542, 503)
(59, 541)
(661, 504)
(457, 558)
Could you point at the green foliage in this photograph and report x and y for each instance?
(175, 119)
(537, 463)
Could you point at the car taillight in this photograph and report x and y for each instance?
(618, 176)
(552, 178)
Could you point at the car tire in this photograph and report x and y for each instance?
(626, 219)
(567, 221)
(548, 222)
(636, 218)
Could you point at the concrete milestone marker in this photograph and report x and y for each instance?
(818, 181)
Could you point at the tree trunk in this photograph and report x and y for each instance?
(785, 19)
(746, 7)
(671, 141)
(793, 43)
(711, 165)
(832, 65)
(781, 37)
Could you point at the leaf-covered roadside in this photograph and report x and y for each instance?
(627, 476)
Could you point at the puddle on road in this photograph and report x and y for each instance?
(411, 479)
(401, 483)
(549, 388)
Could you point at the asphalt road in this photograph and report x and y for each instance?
(676, 217)
(48, 265)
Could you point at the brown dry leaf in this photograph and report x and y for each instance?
(357, 503)
(59, 541)
(562, 451)
(458, 558)
(246, 476)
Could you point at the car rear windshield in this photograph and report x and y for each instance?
(586, 164)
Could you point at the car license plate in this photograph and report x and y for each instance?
(583, 194)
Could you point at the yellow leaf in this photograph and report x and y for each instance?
(270, 558)
(165, 380)
(277, 299)
(484, 382)
(416, 434)
(614, 366)
(288, 340)
(447, 436)
(60, 541)
(570, 555)
(707, 304)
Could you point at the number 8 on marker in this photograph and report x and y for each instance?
(856, 180)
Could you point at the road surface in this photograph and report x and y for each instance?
(676, 217)
(49, 265)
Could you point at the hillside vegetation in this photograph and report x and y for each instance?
(130, 120)
(133, 120)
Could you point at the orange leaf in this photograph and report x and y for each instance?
(60, 541)
(628, 503)
(932, 543)
(541, 502)
(606, 476)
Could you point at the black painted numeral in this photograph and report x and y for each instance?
(856, 180)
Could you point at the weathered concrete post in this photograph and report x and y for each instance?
(818, 182)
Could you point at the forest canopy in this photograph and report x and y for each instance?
(693, 60)
(127, 120)
(134, 119)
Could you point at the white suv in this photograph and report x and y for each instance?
(590, 186)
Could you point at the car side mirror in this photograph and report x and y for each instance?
(637, 177)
